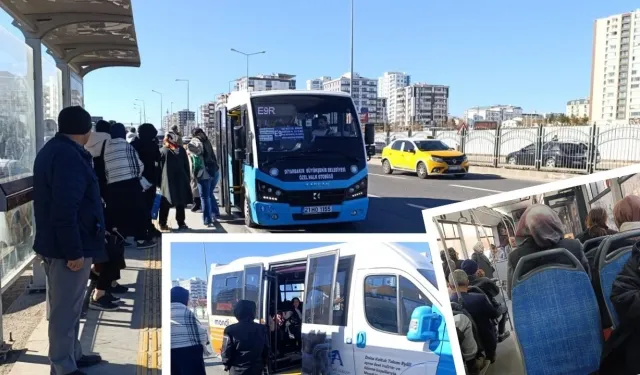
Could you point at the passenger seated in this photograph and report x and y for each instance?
(488, 287)
(540, 229)
(596, 225)
(621, 350)
(626, 213)
(472, 351)
(481, 310)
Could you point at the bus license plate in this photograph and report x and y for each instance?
(454, 167)
(316, 210)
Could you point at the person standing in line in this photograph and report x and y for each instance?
(245, 347)
(70, 220)
(175, 129)
(174, 182)
(189, 340)
(203, 179)
(146, 145)
(211, 164)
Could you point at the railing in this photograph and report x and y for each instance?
(576, 149)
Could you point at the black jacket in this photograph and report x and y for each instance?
(175, 176)
(147, 147)
(483, 314)
(483, 263)
(67, 205)
(529, 247)
(208, 155)
(620, 355)
(591, 233)
(245, 349)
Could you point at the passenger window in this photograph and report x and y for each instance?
(408, 147)
(225, 293)
(397, 145)
(380, 302)
(318, 306)
(411, 298)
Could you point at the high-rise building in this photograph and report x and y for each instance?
(615, 70)
(197, 288)
(391, 86)
(365, 92)
(316, 84)
(577, 108)
(264, 82)
(207, 115)
(426, 105)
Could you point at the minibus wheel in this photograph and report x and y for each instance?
(247, 215)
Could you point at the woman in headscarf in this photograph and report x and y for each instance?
(540, 229)
(245, 349)
(626, 213)
(483, 262)
(189, 340)
(146, 145)
(174, 182)
(203, 179)
(596, 225)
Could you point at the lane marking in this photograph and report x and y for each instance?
(477, 188)
(416, 206)
(386, 175)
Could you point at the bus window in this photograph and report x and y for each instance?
(380, 302)
(290, 291)
(225, 293)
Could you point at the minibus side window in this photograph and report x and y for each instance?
(411, 297)
(343, 281)
(226, 291)
(380, 302)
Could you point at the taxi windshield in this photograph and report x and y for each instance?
(431, 145)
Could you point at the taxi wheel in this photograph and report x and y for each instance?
(247, 215)
(386, 167)
(421, 170)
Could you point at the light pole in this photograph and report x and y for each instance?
(144, 107)
(351, 75)
(159, 93)
(136, 106)
(247, 56)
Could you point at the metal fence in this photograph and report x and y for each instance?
(578, 149)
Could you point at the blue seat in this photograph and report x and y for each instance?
(612, 255)
(556, 317)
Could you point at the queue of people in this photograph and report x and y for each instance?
(539, 229)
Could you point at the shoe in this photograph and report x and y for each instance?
(119, 289)
(145, 244)
(183, 227)
(103, 304)
(112, 298)
(211, 225)
(88, 360)
(504, 336)
(195, 208)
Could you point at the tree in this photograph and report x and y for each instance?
(551, 118)
(585, 120)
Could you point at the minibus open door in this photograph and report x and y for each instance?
(252, 287)
(222, 152)
(318, 311)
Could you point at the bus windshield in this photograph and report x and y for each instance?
(297, 125)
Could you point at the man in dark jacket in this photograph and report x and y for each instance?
(211, 164)
(620, 355)
(146, 144)
(245, 349)
(70, 235)
(481, 310)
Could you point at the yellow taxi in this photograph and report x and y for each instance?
(426, 157)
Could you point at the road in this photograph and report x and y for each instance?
(396, 201)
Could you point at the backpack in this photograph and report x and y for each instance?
(198, 167)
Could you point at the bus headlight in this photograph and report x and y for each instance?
(357, 190)
(268, 193)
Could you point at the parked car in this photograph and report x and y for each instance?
(555, 154)
(425, 157)
(379, 147)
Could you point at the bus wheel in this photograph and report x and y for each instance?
(422, 170)
(247, 215)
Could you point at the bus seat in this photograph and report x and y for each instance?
(590, 247)
(556, 317)
(613, 254)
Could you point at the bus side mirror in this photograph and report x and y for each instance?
(371, 150)
(424, 324)
(369, 134)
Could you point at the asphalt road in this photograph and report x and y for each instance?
(396, 201)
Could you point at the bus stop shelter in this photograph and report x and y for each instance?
(80, 36)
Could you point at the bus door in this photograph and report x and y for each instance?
(571, 209)
(383, 302)
(322, 343)
(235, 166)
(252, 287)
(222, 145)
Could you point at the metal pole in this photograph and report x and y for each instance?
(351, 75)
(247, 72)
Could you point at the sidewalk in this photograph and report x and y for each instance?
(129, 339)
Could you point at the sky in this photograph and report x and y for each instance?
(187, 259)
(533, 54)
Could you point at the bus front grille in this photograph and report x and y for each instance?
(304, 198)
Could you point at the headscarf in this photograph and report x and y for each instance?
(540, 223)
(627, 210)
(478, 247)
(171, 141)
(147, 132)
(198, 132)
(195, 146)
(179, 295)
(74, 121)
(118, 131)
(469, 266)
(245, 311)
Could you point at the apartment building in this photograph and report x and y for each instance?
(497, 113)
(577, 108)
(207, 114)
(365, 93)
(316, 83)
(391, 86)
(197, 288)
(615, 70)
(426, 105)
(266, 82)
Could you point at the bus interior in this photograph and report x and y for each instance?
(496, 225)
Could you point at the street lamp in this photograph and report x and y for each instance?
(144, 106)
(159, 93)
(137, 107)
(247, 56)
